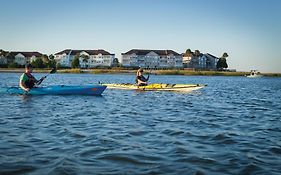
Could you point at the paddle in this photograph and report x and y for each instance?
(148, 75)
(54, 70)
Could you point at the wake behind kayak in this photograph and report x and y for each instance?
(57, 90)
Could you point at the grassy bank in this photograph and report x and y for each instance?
(156, 72)
(201, 73)
(96, 71)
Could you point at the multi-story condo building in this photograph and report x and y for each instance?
(151, 59)
(87, 58)
(22, 58)
(200, 61)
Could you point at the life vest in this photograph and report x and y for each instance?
(30, 82)
(141, 78)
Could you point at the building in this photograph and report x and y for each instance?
(199, 61)
(151, 59)
(211, 61)
(87, 58)
(22, 58)
(3, 59)
(64, 58)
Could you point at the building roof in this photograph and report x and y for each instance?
(145, 52)
(212, 56)
(90, 52)
(27, 54)
(66, 51)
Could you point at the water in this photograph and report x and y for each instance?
(232, 126)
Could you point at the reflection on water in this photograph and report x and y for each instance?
(232, 126)
(25, 98)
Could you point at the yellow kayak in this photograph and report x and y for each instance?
(157, 87)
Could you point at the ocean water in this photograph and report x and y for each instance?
(232, 126)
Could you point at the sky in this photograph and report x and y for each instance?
(248, 30)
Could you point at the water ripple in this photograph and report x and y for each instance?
(230, 127)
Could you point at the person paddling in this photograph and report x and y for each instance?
(27, 80)
(140, 79)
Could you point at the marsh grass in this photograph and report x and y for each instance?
(156, 72)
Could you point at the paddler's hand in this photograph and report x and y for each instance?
(26, 90)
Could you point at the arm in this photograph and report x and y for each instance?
(23, 79)
(140, 81)
(22, 85)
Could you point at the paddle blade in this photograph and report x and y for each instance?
(54, 70)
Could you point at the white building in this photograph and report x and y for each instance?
(151, 59)
(64, 58)
(201, 61)
(87, 58)
(22, 58)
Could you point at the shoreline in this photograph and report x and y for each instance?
(131, 71)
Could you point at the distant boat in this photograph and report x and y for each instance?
(254, 74)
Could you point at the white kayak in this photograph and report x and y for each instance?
(157, 87)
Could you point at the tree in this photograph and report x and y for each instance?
(75, 63)
(51, 63)
(115, 62)
(13, 65)
(85, 58)
(222, 62)
(38, 63)
(10, 57)
(3, 53)
(58, 65)
(51, 57)
(188, 51)
(224, 55)
(45, 58)
(197, 53)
